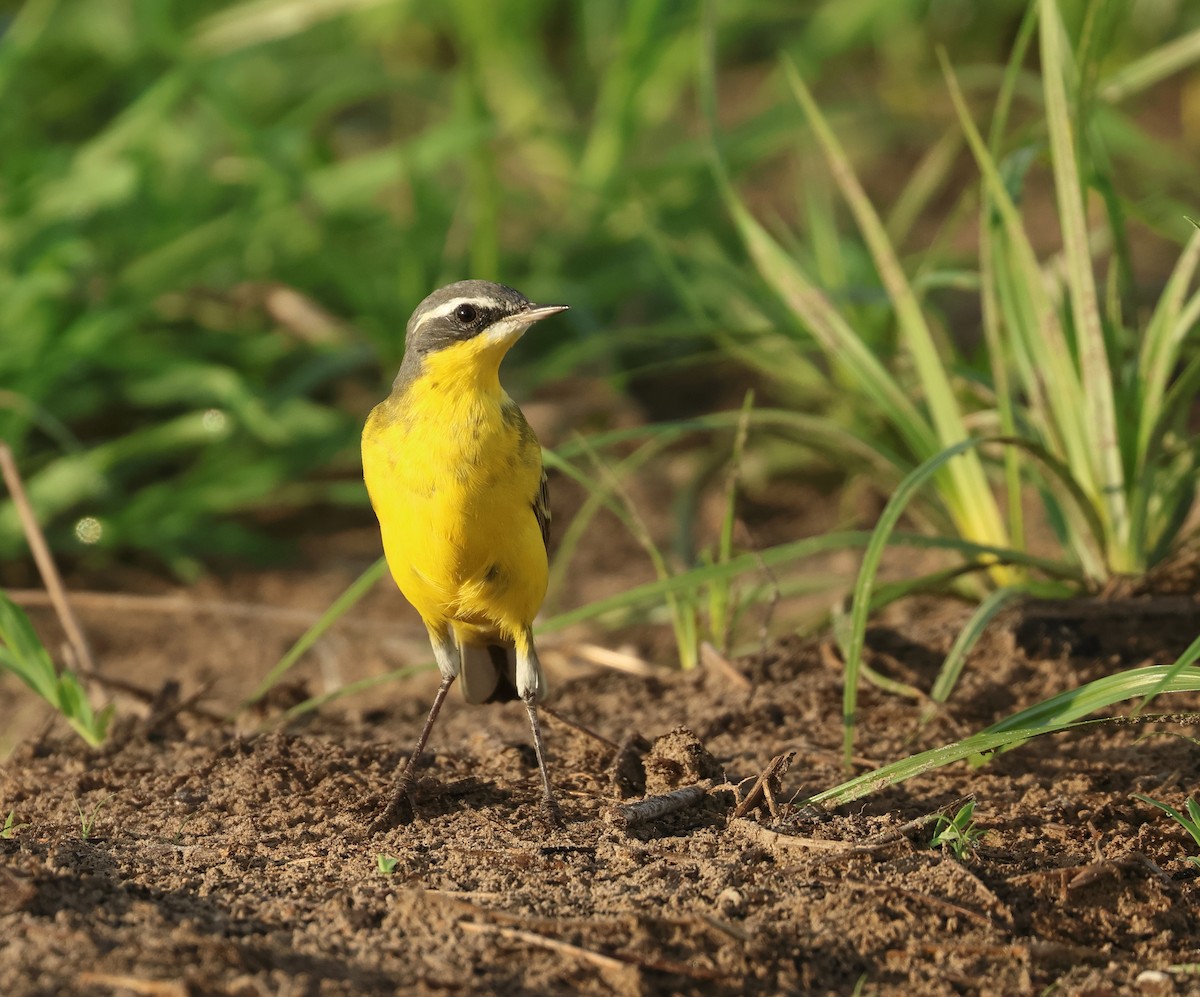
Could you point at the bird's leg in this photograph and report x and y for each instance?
(399, 809)
(531, 686)
(547, 791)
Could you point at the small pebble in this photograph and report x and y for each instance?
(189, 799)
(1154, 981)
(730, 901)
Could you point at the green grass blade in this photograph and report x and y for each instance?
(1102, 693)
(835, 336)
(1039, 331)
(879, 540)
(861, 604)
(968, 496)
(1144, 72)
(1171, 812)
(721, 609)
(258, 22)
(928, 181)
(993, 327)
(1185, 661)
(807, 302)
(998, 358)
(1100, 407)
(935, 758)
(1012, 73)
(952, 667)
(1165, 333)
(652, 593)
(314, 703)
(617, 102)
(23, 654)
(599, 496)
(1054, 715)
(337, 609)
(819, 432)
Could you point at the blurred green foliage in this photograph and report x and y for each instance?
(216, 218)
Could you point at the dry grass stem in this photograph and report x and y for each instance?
(45, 561)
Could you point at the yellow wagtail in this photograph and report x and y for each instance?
(455, 476)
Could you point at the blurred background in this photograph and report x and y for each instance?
(215, 219)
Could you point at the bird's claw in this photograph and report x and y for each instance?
(398, 811)
(554, 814)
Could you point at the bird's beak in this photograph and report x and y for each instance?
(508, 330)
(535, 313)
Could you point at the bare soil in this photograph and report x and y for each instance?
(223, 858)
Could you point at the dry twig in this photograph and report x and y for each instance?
(582, 728)
(710, 657)
(785, 844)
(45, 561)
(148, 988)
(762, 790)
(654, 807)
(624, 974)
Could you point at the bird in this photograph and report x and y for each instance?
(454, 473)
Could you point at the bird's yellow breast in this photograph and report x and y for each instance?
(453, 470)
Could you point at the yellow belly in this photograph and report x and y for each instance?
(453, 476)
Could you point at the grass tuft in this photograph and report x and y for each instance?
(23, 655)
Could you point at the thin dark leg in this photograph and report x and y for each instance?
(399, 809)
(547, 792)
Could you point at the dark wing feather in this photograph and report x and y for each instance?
(541, 509)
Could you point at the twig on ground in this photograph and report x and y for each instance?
(149, 988)
(1001, 908)
(774, 841)
(45, 561)
(576, 725)
(926, 898)
(734, 931)
(654, 807)
(782, 845)
(151, 696)
(626, 771)
(710, 657)
(626, 966)
(759, 792)
(625, 973)
(905, 829)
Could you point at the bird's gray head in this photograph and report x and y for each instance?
(475, 318)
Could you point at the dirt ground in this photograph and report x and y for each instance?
(231, 857)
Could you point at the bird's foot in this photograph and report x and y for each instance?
(553, 813)
(398, 811)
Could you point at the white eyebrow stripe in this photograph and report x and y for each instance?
(443, 310)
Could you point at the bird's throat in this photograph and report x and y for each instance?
(469, 368)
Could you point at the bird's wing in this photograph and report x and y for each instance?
(541, 509)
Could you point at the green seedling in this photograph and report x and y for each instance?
(385, 865)
(183, 827)
(1190, 822)
(959, 833)
(88, 821)
(10, 827)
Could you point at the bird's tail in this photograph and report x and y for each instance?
(488, 673)
(495, 672)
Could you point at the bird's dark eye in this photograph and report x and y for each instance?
(465, 314)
